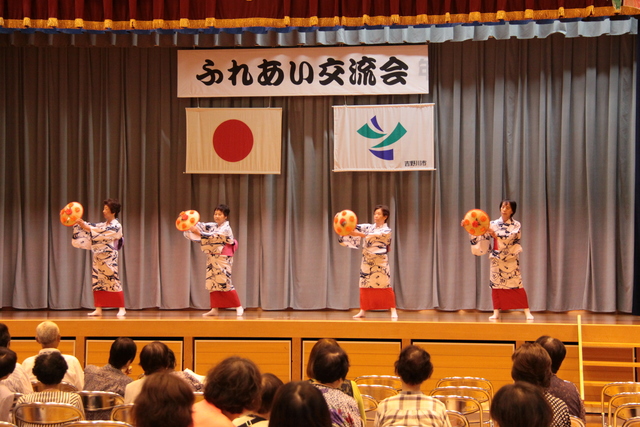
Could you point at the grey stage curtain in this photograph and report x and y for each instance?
(548, 122)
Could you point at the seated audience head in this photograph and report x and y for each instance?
(521, 405)
(233, 386)
(5, 336)
(49, 368)
(299, 404)
(48, 334)
(556, 349)
(532, 364)
(8, 359)
(270, 386)
(321, 343)
(330, 364)
(154, 357)
(165, 400)
(123, 351)
(171, 360)
(414, 365)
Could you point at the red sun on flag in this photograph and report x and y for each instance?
(233, 140)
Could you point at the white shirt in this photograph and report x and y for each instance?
(74, 375)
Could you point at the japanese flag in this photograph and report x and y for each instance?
(234, 140)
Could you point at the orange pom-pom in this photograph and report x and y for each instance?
(476, 222)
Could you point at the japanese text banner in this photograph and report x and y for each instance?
(383, 138)
(234, 140)
(357, 70)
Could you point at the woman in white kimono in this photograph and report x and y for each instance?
(502, 243)
(376, 292)
(104, 239)
(216, 240)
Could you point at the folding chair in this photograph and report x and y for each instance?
(123, 413)
(45, 414)
(377, 392)
(481, 395)
(388, 380)
(626, 411)
(468, 382)
(611, 389)
(632, 422)
(576, 422)
(98, 404)
(456, 419)
(466, 406)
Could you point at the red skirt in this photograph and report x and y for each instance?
(509, 299)
(108, 299)
(377, 298)
(219, 299)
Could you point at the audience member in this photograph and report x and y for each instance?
(330, 368)
(50, 369)
(48, 336)
(521, 405)
(8, 359)
(231, 388)
(18, 381)
(260, 417)
(532, 364)
(154, 357)
(165, 400)
(411, 407)
(186, 375)
(348, 386)
(112, 376)
(299, 404)
(563, 390)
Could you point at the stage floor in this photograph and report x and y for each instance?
(331, 315)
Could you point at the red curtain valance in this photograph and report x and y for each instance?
(177, 14)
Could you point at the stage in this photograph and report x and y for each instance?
(601, 347)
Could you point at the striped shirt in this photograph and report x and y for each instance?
(411, 409)
(51, 396)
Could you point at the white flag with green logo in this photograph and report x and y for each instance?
(383, 137)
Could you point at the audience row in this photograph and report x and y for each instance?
(237, 393)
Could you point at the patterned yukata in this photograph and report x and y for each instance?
(375, 275)
(505, 279)
(213, 239)
(343, 408)
(104, 240)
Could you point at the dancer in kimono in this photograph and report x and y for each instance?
(502, 243)
(216, 240)
(104, 239)
(376, 292)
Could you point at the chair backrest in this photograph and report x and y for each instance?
(370, 404)
(576, 422)
(467, 381)
(63, 386)
(378, 392)
(388, 380)
(99, 400)
(479, 394)
(98, 423)
(626, 410)
(198, 395)
(456, 419)
(123, 413)
(464, 405)
(618, 400)
(632, 422)
(611, 389)
(46, 413)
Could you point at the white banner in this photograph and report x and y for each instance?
(383, 138)
(234, 140)
(358, 70)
